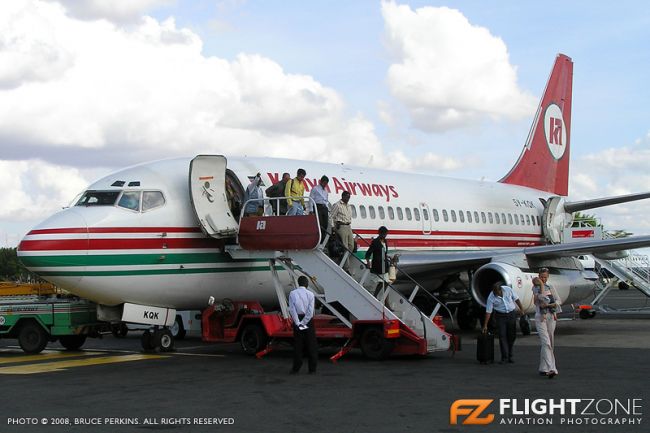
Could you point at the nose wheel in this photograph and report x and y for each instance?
(158, 340)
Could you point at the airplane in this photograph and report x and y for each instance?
(136, 242)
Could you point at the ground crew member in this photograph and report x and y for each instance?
(295, 190)
(301, 309)
(502, 301)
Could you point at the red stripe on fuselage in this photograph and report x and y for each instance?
(115, 244)
(116, 230)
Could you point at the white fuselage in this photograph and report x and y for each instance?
(161, 257)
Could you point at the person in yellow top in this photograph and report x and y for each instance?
(295, 190)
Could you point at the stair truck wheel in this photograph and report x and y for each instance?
(253, 338)
(524, 325)
(32, 338)
(374, 345)
(72, 342)
(178, 329)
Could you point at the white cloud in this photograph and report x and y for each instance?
(35, 189)
(450, 73)
(117, 11)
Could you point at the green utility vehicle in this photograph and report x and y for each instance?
(36, 320)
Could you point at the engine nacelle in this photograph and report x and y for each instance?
(570, 285)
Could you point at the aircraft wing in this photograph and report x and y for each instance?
(440, 262)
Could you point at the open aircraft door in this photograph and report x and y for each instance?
(208, 196)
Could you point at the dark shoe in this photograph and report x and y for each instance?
(293, 371)
(543, 373)
(312, 372)
(503, 361)
(511, 361)
(551, 374)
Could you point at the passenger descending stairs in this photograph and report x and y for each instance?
(335, 285)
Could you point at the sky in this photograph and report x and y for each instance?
(447, 88)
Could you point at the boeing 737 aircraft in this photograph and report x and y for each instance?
(133, 239)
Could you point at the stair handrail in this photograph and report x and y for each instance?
(410, 278)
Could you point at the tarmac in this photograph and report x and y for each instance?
(111, 386)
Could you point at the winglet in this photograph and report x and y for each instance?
(544, 162)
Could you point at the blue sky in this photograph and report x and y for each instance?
(90, 86)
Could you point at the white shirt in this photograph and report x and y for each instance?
(318, 195)
(301, 302)
(502, 304)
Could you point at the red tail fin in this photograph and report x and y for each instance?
(544, 162)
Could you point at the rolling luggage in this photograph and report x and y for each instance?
(485, 348)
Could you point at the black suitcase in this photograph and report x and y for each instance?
(485, 348)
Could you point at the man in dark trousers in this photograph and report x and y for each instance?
(301, 309)
(378, 251)
(277, 190)
(502, 301)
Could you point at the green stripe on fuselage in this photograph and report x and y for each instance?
(129, 259)
(178, 271)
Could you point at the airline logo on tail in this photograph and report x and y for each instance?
(555, 131)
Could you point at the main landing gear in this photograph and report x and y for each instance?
(158, 340)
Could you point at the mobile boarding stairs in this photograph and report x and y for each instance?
(294, 244)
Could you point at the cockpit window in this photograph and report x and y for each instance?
(130, 200)
(152, 200)
(98, 198)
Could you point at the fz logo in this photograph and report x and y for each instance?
(472, 409)
(261, 225)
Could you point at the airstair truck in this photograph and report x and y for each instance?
(36, 320)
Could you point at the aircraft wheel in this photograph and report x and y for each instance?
(72, 342)
(32, 338)
(119, 330)
(524, 325)
(147, 341)
(466, 316)
(253, 339)
(374, 345)
(163, 340)
(178, 329)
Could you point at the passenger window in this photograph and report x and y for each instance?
(503, 218)
(408, 213)
(528, 219)
(516, 220)
(510, 219)
(436, 217)
(539, 223)
(490, 217)
(354, 211)
(400, 214)
(476, 220)
(461, 216)
(416, 214)
(445, 216)
(496, 218)
(362, 211)
(453, 216)
(469, 217)
(382, 214)
(152, 200)
(391, 213)
(521, 219)
(371, 210)
(130, 200)
(425, 214)
(98, 198)
(483, 217)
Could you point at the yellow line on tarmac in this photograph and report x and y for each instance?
(43, 357)
(61, 365)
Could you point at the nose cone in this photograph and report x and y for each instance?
(56, 249)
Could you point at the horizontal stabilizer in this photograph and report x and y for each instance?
(576, 206)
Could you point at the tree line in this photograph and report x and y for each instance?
(11, 269)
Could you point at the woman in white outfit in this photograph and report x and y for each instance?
(545, 321)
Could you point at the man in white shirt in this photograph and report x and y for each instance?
(318, 199)
(301, 309)
(502, 301)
